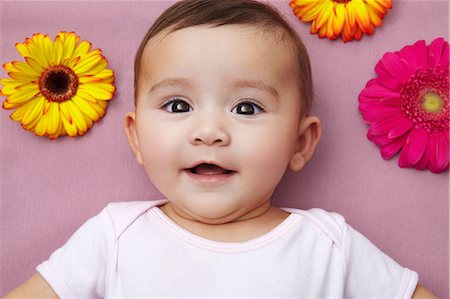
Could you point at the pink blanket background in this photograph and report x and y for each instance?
(49, 188)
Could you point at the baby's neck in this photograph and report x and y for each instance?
(251, 226)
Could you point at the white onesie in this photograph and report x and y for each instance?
(133, 250)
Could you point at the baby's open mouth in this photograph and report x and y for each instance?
(209, 169)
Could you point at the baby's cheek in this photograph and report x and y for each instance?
(268, 164)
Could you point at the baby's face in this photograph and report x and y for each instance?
(217, 118)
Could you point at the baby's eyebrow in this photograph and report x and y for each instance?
(168, 82)
(258, 84)
(237, 83)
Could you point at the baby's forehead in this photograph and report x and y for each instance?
(274, 34)
(277, 37)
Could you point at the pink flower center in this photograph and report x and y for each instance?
(425, 99)
(58, 83)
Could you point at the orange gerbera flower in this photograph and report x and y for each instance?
(348, 18)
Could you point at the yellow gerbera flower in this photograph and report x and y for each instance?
(348, 18)
(61, 88)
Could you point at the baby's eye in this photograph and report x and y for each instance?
(177, 106)
(247, 108)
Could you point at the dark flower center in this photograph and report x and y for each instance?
(58, 83)
(425, 99)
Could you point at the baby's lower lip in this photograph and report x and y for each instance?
(210, 178)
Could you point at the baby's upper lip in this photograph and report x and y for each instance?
(193, 165)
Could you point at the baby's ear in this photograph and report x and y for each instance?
(130, 131)
(309, 133)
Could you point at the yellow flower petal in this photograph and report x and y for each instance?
(311, 12)
(82, 49)
(77, 117)
(381, 11)
(41, 126)
(37, 54)
(85, 108)
(89, 79)
(339, 20)
(22, 77)
(86, 64)
(34, 111)
(19, 113)
(28, 86)
(68, 46)
(9, 86)
(324, 15)
(100, 107)
(21, 96)
(300, 3)
(59, 50)
(25, 68)
(374, 18)
(89, 121)
(85, 95)
(23, 50)
(351, 15)
(105, 86)
(53, 118)
(100, 66)
(362, 15)
(105, 74)
(59, 132)
(49, 50)
(34, 64)
(66, 118)
(330, 30)
(97, 91)
(314, 28)
(9, 67)
(387, 4)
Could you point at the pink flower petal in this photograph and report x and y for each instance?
(423, 162)
(443, 156)
(409, 54)
(418, 140)
(371, 116)
(401, 128)
(433, 149)
(372, 82)
(392, 148)
(390, 82)
(434, 52)
(373, 106)
(396, 66)
(403, 160)
(439, 155)
(381, 70)
(416, 55)
(383, 126)
(379, 91)
(443, 62)
(380, 140)
(393, 101)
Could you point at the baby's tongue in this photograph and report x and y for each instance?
(209, 169)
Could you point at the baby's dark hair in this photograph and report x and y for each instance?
(189, 13)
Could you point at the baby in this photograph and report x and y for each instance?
(222, 93)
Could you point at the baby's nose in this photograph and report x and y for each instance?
(210, 131)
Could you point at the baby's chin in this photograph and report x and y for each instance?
(219, 212)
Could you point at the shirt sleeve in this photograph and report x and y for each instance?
(78, 268)
(372, 274)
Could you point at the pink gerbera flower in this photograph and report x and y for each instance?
(407, 105)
